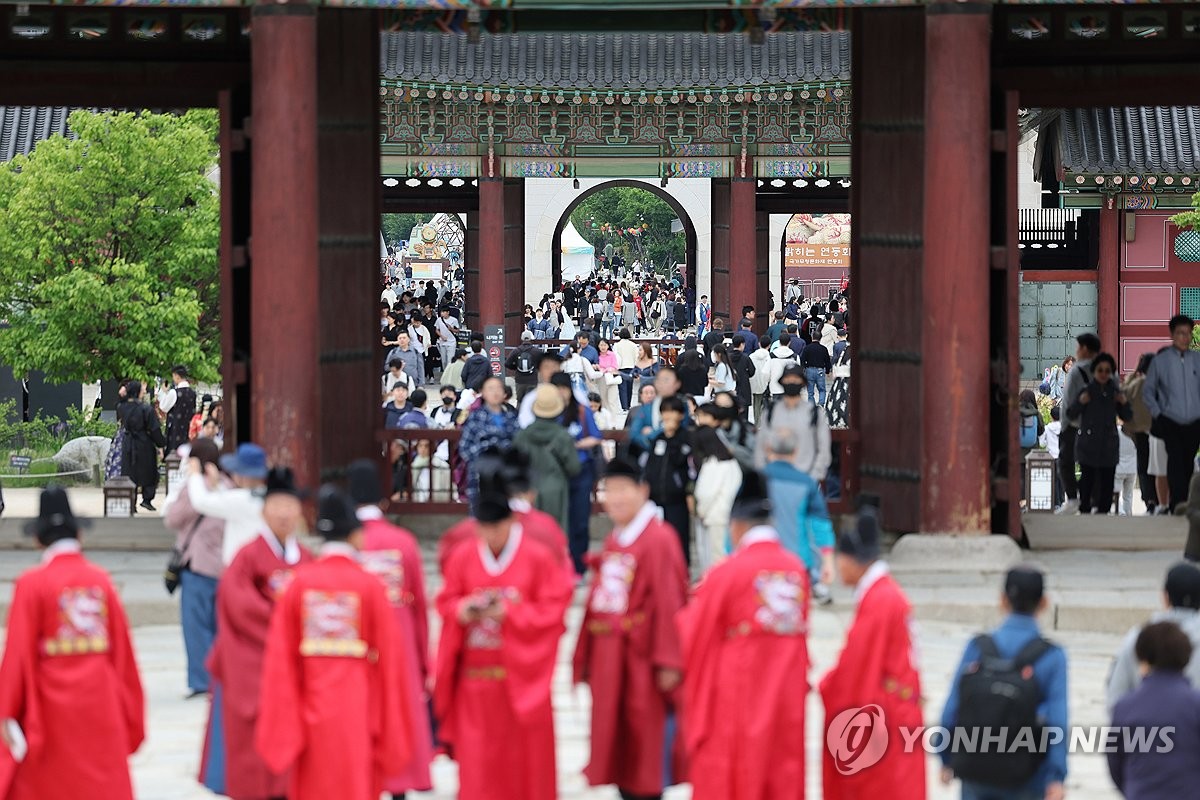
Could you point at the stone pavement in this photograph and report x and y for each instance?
(166, 764)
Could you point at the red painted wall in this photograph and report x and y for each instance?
(1151, 276)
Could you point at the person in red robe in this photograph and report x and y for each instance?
(71, 704)
(335, 702)
(391, 554)
(522, 490)
(502, 607)
(628, 649)
(246, 595)
(875, 687)
(745, 673)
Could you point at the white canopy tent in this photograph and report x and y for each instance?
(578, 257)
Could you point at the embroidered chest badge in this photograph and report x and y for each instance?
(332, 624)
(388, 566)
(278, 582)
(617, 571)
(82, 622)
(780, 598)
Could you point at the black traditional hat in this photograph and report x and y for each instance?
(621, 467)
(752, 501)
(337, 516)
(54, 515)
(281, 480)
(518, 471)
(362, 481)
(861, 540)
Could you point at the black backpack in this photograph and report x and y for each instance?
(997, 693)
(526, 363)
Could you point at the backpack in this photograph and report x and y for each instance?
(476, 371)
(997, 693)
(1029, 432)
(525, 361)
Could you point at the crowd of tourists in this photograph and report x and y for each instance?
(1107, 435)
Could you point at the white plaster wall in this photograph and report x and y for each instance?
(778, 224)
(547, 198)
(1029, 191)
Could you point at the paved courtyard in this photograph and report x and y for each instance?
(164, 768)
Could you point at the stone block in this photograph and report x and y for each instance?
(953, 553)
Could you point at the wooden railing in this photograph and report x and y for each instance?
(431, 479)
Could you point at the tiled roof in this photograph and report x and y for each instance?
(618, 61)
(1130, 141)
(22, 127)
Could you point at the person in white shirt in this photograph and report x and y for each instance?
(760, 381)
(627, 357)
(1126, 475)
(447, 328)
(829, 334)
(1049, 440)
(241, 506)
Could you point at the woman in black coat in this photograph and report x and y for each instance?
(1098, 449)
(143, 439)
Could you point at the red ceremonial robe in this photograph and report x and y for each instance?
(246, 595)
(70, 680)
(334, 705)
(537, 525)
(876, 667)
(746, 674)
(492, 693)
(391, 554)
(628, 634)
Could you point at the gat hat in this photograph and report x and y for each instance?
(337, 516)
(362, 481)
(1183, 586)
(526, 336)
(861, 541)
(281, 480)
(54, 514)
(518, 471)
(621, 467)
(547, 402)
(752, 500)
(250, 461)
(491, 499)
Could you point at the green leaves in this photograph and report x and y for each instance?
(108, 249)
(625, 207)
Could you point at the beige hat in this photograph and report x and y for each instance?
(547, 402)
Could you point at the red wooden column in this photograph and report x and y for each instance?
(743, 244)
(490, 255)
(719, 286)
(514, 259)
(284, 321)
(348, 247)
(955, 362)
(1108, 280)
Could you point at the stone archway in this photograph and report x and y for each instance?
(550, 201)
(688, 228)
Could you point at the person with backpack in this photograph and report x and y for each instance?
(1032, 426)
(477, 368)
(1011, 678)
(1077, 379)
(703, 315)
(1139, 429)
(814, 451)
(523, 363)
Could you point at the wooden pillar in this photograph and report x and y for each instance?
(350, 199)
(283, 251)
(955, 367)
(743, 246)
(763, 288)
(1108, 279)
(886, 196)
(719, 289)
(514, 259)
(490, 255)
(234, 107)
(471, 256)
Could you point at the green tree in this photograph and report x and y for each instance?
(625, 207)
(397, 227)
(109, 243)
